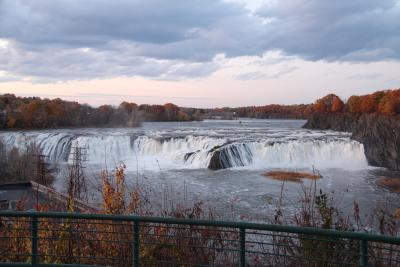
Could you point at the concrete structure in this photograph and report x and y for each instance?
(29, 195)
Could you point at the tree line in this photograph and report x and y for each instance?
(37, 113)
(385, 102)
(273, 111)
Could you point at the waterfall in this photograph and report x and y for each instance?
(158, 152)
(343, 154)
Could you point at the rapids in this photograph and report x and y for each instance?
(172, 160)
(245, 147)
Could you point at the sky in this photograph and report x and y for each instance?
(198, 53)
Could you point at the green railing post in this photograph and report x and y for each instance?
(364, 253)
(242, 249)
(135, 254)
(33, 219)
(34, 239)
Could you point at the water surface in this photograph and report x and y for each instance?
(170, 160)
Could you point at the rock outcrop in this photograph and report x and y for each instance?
(230, 155)
(343, 122)
(379, 134)
(215, 161)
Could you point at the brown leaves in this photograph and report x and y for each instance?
(114, 189)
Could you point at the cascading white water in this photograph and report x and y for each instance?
(55, 145)
(154, 153)
(344, 154)
(183, 152)
(177, 150)
(142, 151)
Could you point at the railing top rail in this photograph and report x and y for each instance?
(209, 223)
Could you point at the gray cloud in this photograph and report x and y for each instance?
(82, 64)
(95, 22)
(257, 75)
(173, 29)
(356, 30)
(175, 39)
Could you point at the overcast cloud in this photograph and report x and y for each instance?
(59, 40)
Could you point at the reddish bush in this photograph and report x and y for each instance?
(329, 103)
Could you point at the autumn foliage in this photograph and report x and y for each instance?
(381, 102)
(110, 243)
(37, 113)
(330, 103)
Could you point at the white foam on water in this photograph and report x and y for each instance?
(157, 153)
(343, 154)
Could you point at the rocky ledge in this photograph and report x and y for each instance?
(225, 156)
(379, 134)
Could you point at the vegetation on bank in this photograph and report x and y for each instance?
(110, 243)
(28, 165)
(37, 113)
(272, 111)
(382, 102)
(385, 102)
(93, 242)
(97, 242)
(372, 119)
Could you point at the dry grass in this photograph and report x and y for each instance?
(396, 214)
(291, 176)
(392, 184)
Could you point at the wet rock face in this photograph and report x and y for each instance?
(343, 122)
(381, 138)
(215, 162)
(230, 155)
(379, 134)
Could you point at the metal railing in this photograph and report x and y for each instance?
(71, 239)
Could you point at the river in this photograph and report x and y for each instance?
(170, 159)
